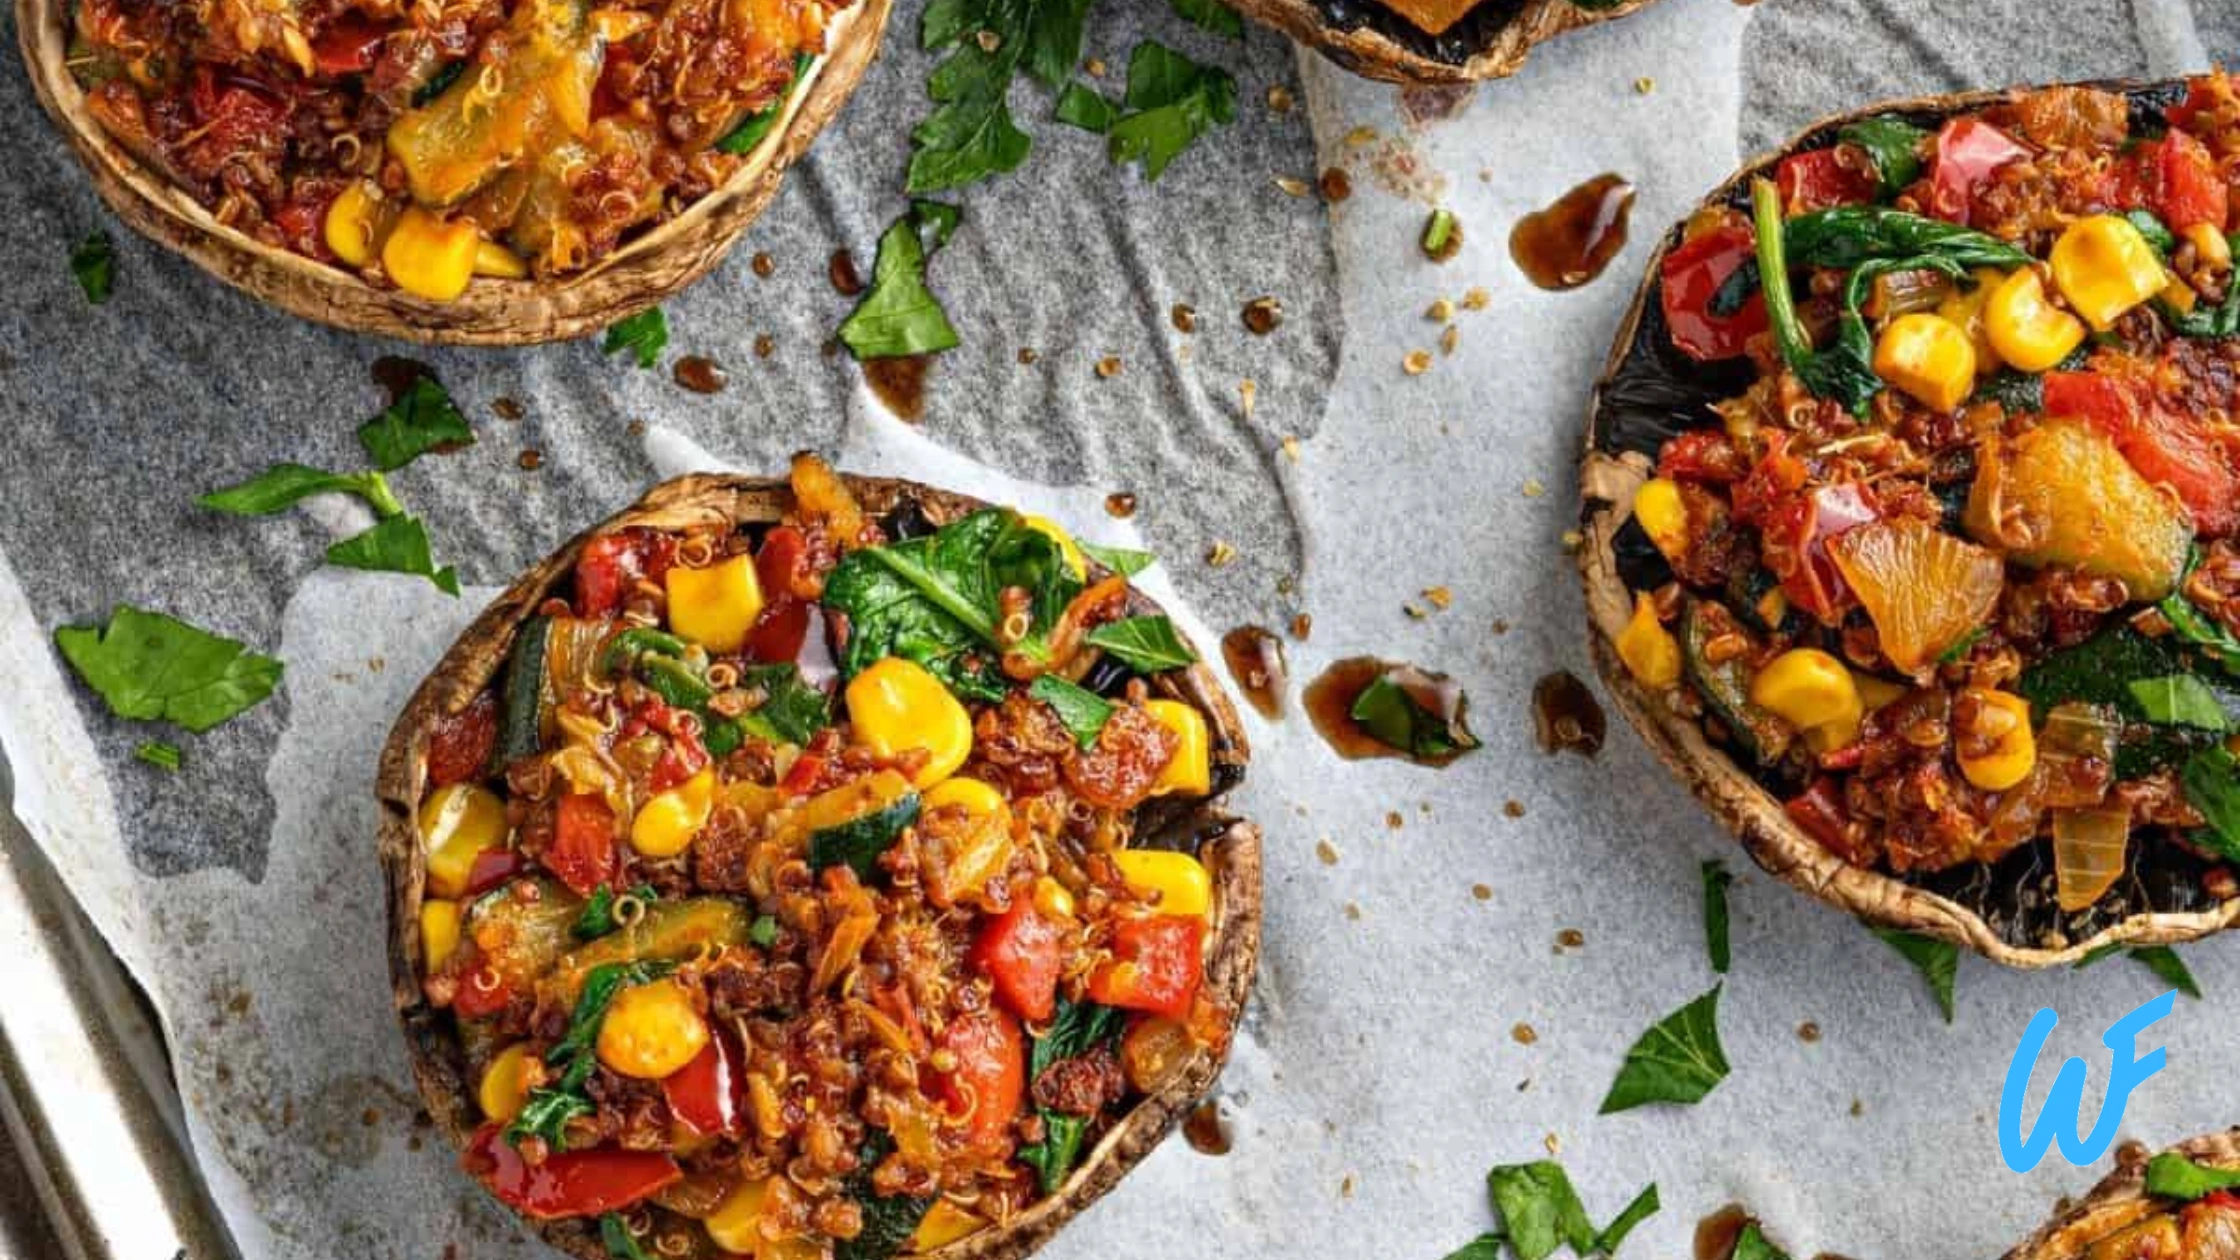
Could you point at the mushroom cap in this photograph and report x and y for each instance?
(1490, 42)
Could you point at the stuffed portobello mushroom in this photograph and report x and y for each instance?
(1909, 505)
(1431, 41)
(2182, 1204)
(494, 171)
(821, 868)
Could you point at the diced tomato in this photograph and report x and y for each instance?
(459, 749)
(482, 993)
(779, 632)
(1020, 952)
(709, 1093)
(348, 46)
(567, 1183)
(1968, 150)
(2192, 191)
(784, 564)
(1819, 811)
(613, 564)
(1157, 964)
(1692, 275)
(683, 756)
(2228, 1200)
(1794, 544)
(807, 772)
(583, 849)
(1821, 178)
(989, 1082)
(493, 867)
(2205, 93)
(302, 219)
(2164, 446)
(1702, 455)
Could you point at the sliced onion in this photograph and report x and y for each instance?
(2089, 847)
(2077, 750)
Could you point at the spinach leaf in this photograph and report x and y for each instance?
(1539, 1210)
(2100, 670)
(549, 1108)
(596, 919)
(151, 667)
(446, 74)
(2173, 1176)
(1054, 1156)
(422, 419)
(1483, 1247)
(792, 711)
(1893, 145)
(1120, 560)
(1847, 237)
(899, 315)
(2019, 392)
(970, 135)
(614, 1232)
(2197, 626)
(751, 129)
(1644, 1206)
(1212, 15)
(1172, 100)
(396, 545)
(888, 1220)
(282, 486)
(1075, 1029)
(1390, 713)
(1734, 291)
(1679, 1060)
(2222, 320)
(2178, 700)
(94, 263)
(644, 335)
(1146, 645)
(2158, 235)
(1084, 712)
(1751, 1244)
(1716, 879)
(1085, 107)
(2211, 779)
(1937, 961)
(2164, 962)
(159, 754)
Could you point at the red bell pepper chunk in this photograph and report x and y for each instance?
(1702, 455)
(1020, 951)
(1692, 274)
(2192, 189)
(349, 46)
(988, 1085)
(2228, 1200)
(1794, 540)
(493, 867)
(482, 993)
(709, 1093)
(567, 1183)
(1968, 150)
(612, 564)
(1821, 178)
(583, 851)
(459, 749)
(783, 564)
(1157, 964)
(2164, 446)
(1819, 811)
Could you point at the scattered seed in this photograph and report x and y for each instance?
(1291, 448)
(1353, 912)
(509, 408)
(1394, 820)
(1360, 136)
(1808, 1032)
(636, 428)
(1220, 554)
(1571, 938)
(1028, 355)
(1263, 315)
(1533, 488)
(1417, 363)
(1440, 311)
(989, 41)
(1327, 851)
(1501, 626)
(1108, 366)
(1482, 892)
(1858, 1108)
(1414, 613)
(1279, 98)
(1346, 1187)
(1442, 235)
(1095, 67)
(1553, 1144)
(1513, 808)
(1449, 339)
(1524, 1034)
(1302, 625)
(1644, 85)
(1335, 184)
(1120, 504)
(531, 459)
(1248, 390)
(765, 345)
(1185, 317)
(1440, 596)
(764, 264)
(1475, 299)
(1292, 185)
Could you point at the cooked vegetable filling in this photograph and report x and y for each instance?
(1954, 573)
(425, 145)
(2192, 1214)
(785, 887)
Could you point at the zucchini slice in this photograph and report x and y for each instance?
(521, 734)
(1725, 688)
(854, 823)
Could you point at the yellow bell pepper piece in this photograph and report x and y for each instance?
(651, 1030)
(1650, 652)
(2028, 331)
(665, 826)
(1875, 692)
(734, 1224)
(943, 1223)
(1181, 882)
(354, 222)
(505, 1083)
(1964, 306)
(2014, 750)
(2104, 267)
(439, 931)
(1929, 358)
(1066, 546)
(2215, 250)
(897, 705)
(1053, 900)
(716, 606)
(428, 257)
(1662, 515)
(456, 823)
(493, 259)
(981, 800)
(1813, 692)
(1191, 771)
(975, 852)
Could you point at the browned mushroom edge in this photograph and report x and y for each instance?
(1649, 391)
(2119, 1200)
(1375, 42)
(1230, 847)
(492, 312)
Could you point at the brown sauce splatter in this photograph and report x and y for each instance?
(395, 373)
(900, 383)
(1184, 317)
(1576, 236)
(509, 408)
(700, 374)
(1263, 315)
(1329, 703)
(1565, 715)
(1716, 1233)
(1120, 504)
(846, 280)
(1255, 657)
(1434, 102)
(1206, 1130)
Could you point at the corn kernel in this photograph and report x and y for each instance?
(897, 705)
(1067, 547)
(1662, 515)
(1180, 881)
(1964, 306)
(666, 825)
(651, 1031)
(2215, 250)
(439, 931)
(2029, 332)
(1811, 691)
(1053, 900)
(428, 257)
(2178, 296)
(354, 223)
(2104, 267)
(2013, 753)
(1650, 652)
(1191, 770)
(505, 1083)
(493, 259)
(943, 1223)
(1929, 358)
(734, 1225)
(457, 823)
(716, 606)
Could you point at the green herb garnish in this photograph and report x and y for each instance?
(150, 667)
(750, 132)
(282, 486)
(422, 419)
(2173, 1176)
(1120, 560)
(159, 754)
(1716, 879)
(396, 545)
(1540, 1211)
(1438, 240)
(1679, 1060)
(763, 932)
(2164, 962)
(2178, 700)
(1085, 107)
(899, 315)
(615, 1233)
(597, 918)
(1751, 1244)
(1146, 645)
(1937, 961)
(1893, 145)
(94, 263)
(549, 1108)
(1171, 101)
(644, 335)
(2211, 779)
(1392, 716)
(1084, 712)
(970, 134)
(1075, 1029)
(1211, 15)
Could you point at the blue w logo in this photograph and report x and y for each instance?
(2064, 1108)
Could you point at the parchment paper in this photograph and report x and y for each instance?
(1379, 1073)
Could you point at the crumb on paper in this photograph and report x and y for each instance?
(1291, 448)
(1394, 821)
(1302, 625)
(1440, 311)
(1360, 136)
(1553, 1144)
(1450, 338)
(1500, 625)
(1326, 851)
(1416, 363)
(1440, 596)
(1279, 98)
(1524, 1034)
(1475, 299)
(1095, 67)
(1534, 487)
(1414, 613)
(1571, 539)
(1571, 938)
(1353, 911)
(1108, 366)
(1292, 185)
(1220, 554)
(1248, 392)
(1644, 85)
(1513, 807)
(1483, 892)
